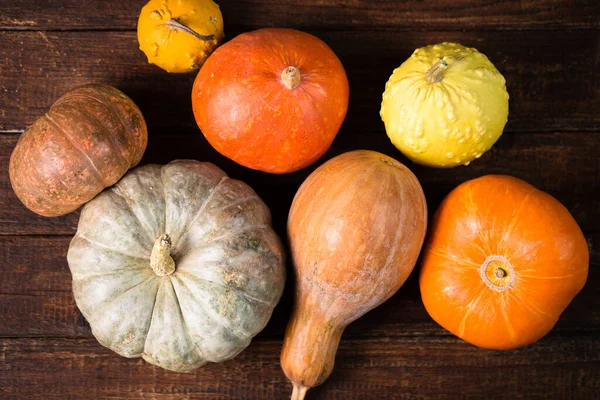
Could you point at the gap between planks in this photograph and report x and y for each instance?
(374, 28)
(393, 335)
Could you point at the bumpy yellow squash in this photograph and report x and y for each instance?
(445, 106)
(179, 35)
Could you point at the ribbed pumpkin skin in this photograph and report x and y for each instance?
(356, 227)
(247, 113)
(502, 262)
(86, 142)
(229, 265)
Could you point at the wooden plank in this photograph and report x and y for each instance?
(398, 368)
(330, 14)
(36, 299)
(563, 164)
(552, 76)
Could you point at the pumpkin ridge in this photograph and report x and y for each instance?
(413, 86)
(82, 277)
(462, 262)
(66, 187)
(95, 243)
(110, 136)
(117, 190)
(310, 99)
(72, 143)
(16, 175)
(470, 309)
(76, 147)
(185, 323)
(250, 228)
(118, 115)
(210, 311)
(232, 288)
(211, 316)
(151, 317)
(200, 210)
(549, 277)
(514, 220)
(80, 95)
(239, 201)
(536, 309)
(127, 127)
(450, 91)
(532, 308)
(179, 365)
(100, 311)
(509, 327)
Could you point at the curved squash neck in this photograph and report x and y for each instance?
(309, 350)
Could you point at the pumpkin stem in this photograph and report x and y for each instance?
(299, 392)
(436, 72)
(500, 273)
(175, 24)
(160, 260)
(290, 77)
(497, 273)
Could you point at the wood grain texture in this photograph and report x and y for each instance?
(552, 76)
(548, 50)
(331, 14)
(572, 179)
(36, 299)
(397, 368)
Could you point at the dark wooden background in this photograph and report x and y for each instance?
(549, 52)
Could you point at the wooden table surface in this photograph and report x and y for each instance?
(549, 52)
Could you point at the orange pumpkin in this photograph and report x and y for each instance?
(272, 99)
(502, 262)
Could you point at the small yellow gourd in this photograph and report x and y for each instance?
(179, 35)
(445, 106)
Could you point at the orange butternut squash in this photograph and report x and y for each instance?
(356, 227)
(502, 262)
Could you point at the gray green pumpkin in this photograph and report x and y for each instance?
(177, 264)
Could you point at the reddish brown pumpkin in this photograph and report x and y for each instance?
(355, 229)
(272, 99)
(86, 142)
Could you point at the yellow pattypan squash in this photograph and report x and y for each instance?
(445, 106)
(178, 35)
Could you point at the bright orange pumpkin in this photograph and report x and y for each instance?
(271, 99)
(502, 262)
